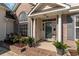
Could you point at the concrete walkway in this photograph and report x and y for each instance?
(9, 53)
(71, 44)
(47, 45)
(43, 45)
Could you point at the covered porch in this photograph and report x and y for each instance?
(46, 24)
(45, 28)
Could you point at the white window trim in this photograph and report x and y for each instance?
(20, 16)
(23, 22)
(74, 19)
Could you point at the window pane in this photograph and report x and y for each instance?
(23, 17)
(23, 29)
(48, 30)
(77, 21)
(77, 33)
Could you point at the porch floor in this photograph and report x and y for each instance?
(48, 45)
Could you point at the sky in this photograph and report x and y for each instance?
(10, 5)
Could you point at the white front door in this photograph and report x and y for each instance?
(49, 30)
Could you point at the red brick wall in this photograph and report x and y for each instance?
(64, 27)
(23, 7)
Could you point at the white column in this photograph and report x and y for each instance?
(34, 30)
(59, 33)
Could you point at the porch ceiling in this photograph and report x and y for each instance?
(46, 7)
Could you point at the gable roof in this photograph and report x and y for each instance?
(45, 7)
(18, 4)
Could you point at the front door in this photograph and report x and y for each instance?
(49, 29)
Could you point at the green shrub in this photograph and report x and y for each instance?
(21, 40)
(12, 38)
(77, 44)
(24, 40)
(16, 38)
(30, 41)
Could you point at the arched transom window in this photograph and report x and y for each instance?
(23, 16)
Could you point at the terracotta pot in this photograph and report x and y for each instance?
(19, 45)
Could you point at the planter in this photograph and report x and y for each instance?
(64, 53)
(30, 45)
(60, 51)
(67, 53)
(19, 45)
(18, 48)
(73, 52)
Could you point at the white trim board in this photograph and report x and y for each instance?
(52, 11)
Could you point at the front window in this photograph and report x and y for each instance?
(23, 29)
(77, 21)
(23, 24)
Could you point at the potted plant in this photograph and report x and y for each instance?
(77, 44)
(61, 48)
(24, 40)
